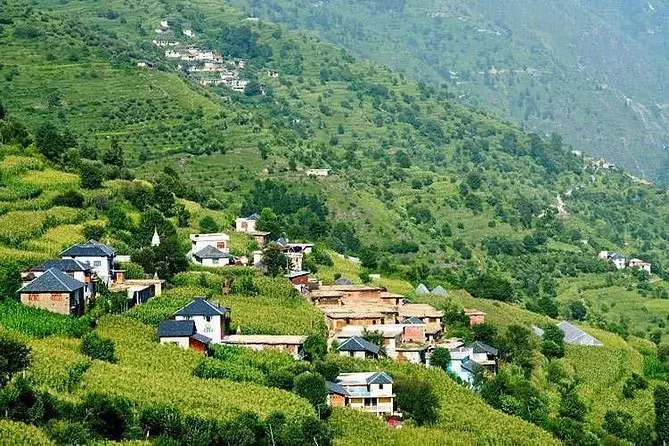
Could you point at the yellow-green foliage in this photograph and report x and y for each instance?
(55, 239)
(461, 411)
(19, 434)
(17, 226)
(51, 179)
(21, 256)
(12, 165)
(163, 307)
(54, 360)
(148, 372)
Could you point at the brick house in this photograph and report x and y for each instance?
(74, 268)
(55, 291)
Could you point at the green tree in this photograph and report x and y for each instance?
(312, 387)
(253, 88)
(49, 142)
(270, 222)
(571, 405)
(274, 260)
(92, 174)
(661, 402)
(14, 357)
(489, 286)
(552, 345)
(94, 231)
(485, 332)
(209, 225)
(440, 357)
(97, 347)
(403, 159)
(108, 416)
(578, 310)
(416, 399)
(113, 156)
(315, 347)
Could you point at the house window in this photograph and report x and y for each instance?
(97, 263)
(220, 245)
(380, 386)
(214, 261)
(33, 297)
(207, 318)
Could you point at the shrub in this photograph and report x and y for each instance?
(441, 357)
(312, 387)
(417, 400)
(160, 420)
(94, 231)
(209, 225)
(108, 416)
(96, 347)
(315, 347)
(14, 357)
(70, 198)
(632, 384)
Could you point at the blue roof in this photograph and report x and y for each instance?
(343, 281)
(413, 320)
(210, 252)
(480, 347)
(65, 265)
(358, 344)
(471, 366)
(176, 329)
(380, 378)
(336, 389)
(201, 307)
(91, 248)
(53, 280)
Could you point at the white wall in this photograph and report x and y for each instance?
(210, 329)
(181, 342)
(102, 266)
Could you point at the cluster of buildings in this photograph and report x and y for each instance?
(208, 67)
(202, 323)
(67, 284)
(620, 262)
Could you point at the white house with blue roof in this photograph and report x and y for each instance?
(369, 391)
(99, 256)
(358, 347)
(211, 319)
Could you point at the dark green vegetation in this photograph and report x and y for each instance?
(421, 189)
(593, 71)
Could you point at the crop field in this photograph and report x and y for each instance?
(20, 434)
(38, 323)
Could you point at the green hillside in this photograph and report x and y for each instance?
(592, 71)
(420, 189)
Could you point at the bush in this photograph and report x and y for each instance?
(96, 347)
(70, 198)
(315, 347)
(209, 225)
(92, 174)
(441, 357)
(416, 399)
(109, 417)
(160, 420)
(94, 231)
(14, 357)
(634, 383)
(311, 386)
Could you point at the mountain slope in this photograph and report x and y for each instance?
(593, 71)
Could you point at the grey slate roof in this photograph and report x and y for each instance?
(65, 265)
(343, 281)
(176, 329)
(572, 335)
(413, 320)
(576, 336)
(53, 281)
(294, 274)
(253, 216)
(480, 347)
(210, 252)
(282, 241)
(440, 291)
(380, 378)
(201, 307)
(358, 344)
(336, 389)
(471, 366)
(91, 248)
(422, 289)
(202, 338)
(616, 256)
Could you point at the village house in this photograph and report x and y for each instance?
(99, 256)
(393, 335)
(323, 297)
(476, 317)
(211, 249)
(338, 317)
(211, 319)
(138, 290)
(184, 334)
(74, 268)
(299, 280)
(469, 361)
(356, 294)
(146, 64)
(293, 345)
(247, 224)
(617, 259)
(188, 33)
(295, 252)
(357, 347)
(427, 313)
(318, 172)
(371, 392)
(640, 264)
(55, 291)
(392, 298)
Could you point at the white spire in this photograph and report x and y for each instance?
(155, 240)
